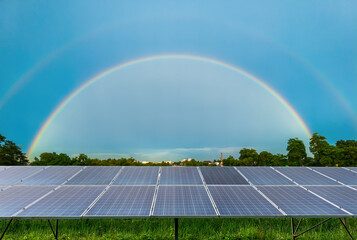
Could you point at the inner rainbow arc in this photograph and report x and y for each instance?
(72, 95)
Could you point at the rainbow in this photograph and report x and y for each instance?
(71, 96)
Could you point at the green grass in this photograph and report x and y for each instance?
(188, 229)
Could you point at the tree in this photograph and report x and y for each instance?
(296, 152)
(230, 161)
(248, 157)
(52, 159)
(324, 153)
(347, 143)
(10, 153)
(266, 159)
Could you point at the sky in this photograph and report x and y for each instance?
(167, 80)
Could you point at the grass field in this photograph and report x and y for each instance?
(188, 229)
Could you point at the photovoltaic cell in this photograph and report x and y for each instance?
(340, 195)
(340, 174)
(295, 201)
(67, 201)
(183, 201)
(264, 176)
(3, 168)
(241, 201)
(15, 198)
(17, 173)
(54, 175)
(94, 176)
(137, 176)
(180, 175)
(305, 176)
(222, 175)
(124, 201)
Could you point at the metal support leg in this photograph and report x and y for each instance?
(176, 228)
(344, 224)
(292, 228)
(297, 227)
(7, 226)
(296, 235)
(54, 231)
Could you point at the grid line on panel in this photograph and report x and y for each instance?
(346, 197)
(261, 193)
(352, 169)
(138, 176)
(222, 175)
(102, 193)
(295, 200)
(208, 192)
(180, 176)
(68, 201)
(343, 178)
(333, 204)
(120, 201)
(15, 174)
(183, 201)
(263, 176)
(53, 175)
(93, 175)
(242, 201)
(37, 200)
(15, 198)
(155, 194)
(304, 176)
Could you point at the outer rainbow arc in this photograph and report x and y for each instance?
(59, 108)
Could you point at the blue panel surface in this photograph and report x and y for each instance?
(67, 201)
(16, 173)
(54, 175)
(340, 174)
(339, 195)
(241, 201)
(264, 176)
(15, 198)
(305, 176)
(222, 175)
(121, 201)
(95, 176)
(295, 201)
(138, 176)
(180, 175)
(183, 201)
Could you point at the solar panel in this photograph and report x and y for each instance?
(3, 168)
(67, 201)
(137, 176)
(54, 175)
(340, 174)
(16, 173)
(241, 201)
(264, 176)
(222, 175)
(295, 201)
(340, 195)
(94, 176)
(180, 175)
(305, 176)
(124, 201)
(15, 198)
(183, 201)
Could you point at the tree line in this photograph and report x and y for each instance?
(343, 153)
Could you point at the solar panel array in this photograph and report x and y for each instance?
(132, 192)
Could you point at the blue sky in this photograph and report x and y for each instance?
(305, 50)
